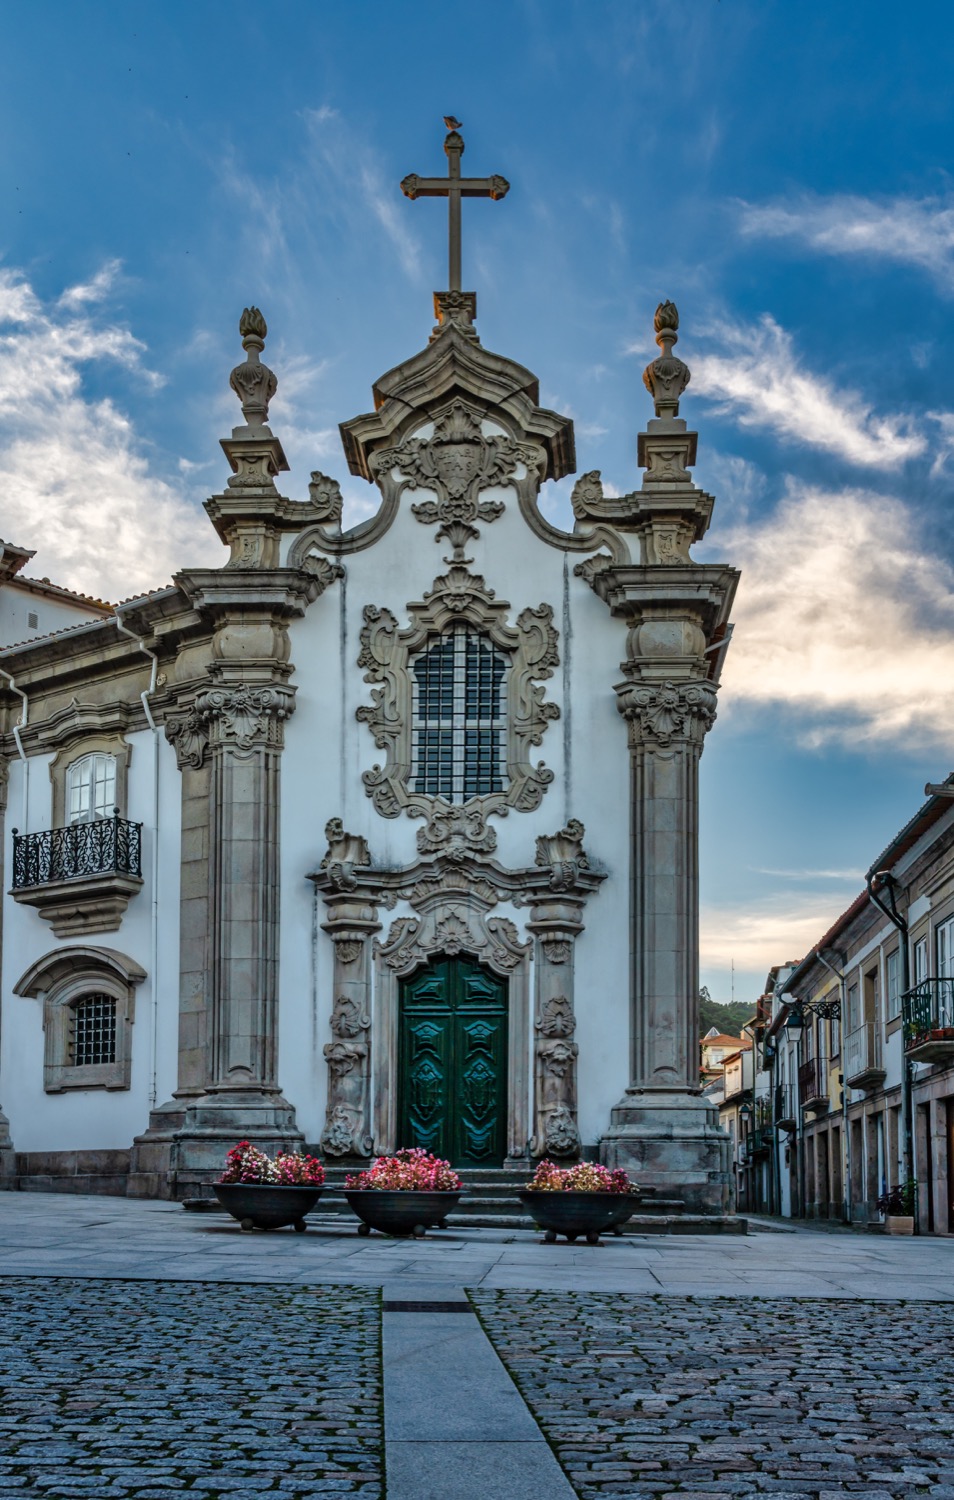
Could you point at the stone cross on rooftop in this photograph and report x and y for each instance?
(453, 187)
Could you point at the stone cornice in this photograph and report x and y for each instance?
(284, 592)
(455, 364)
(634, 592)
(485, 879)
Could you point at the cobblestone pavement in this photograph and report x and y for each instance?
(159, 1389)
(654, 1397)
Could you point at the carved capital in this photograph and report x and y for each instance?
(188, 735)
(664, 714)
(245, 718)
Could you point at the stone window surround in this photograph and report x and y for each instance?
(91, 744)
(387, 655)
(61, 978)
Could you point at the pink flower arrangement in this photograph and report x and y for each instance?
(585, 1177)
(246, 1163)
(411, 1170)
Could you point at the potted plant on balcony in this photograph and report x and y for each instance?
(897, 1205)
(585, 1199)
(404, 1194)
(265, 1192)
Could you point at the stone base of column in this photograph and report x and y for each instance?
(8, 1160)
(672, 1141)
(183, 1151)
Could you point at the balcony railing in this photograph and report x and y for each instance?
(108, 846)
(864, 1067)
(928, 1020)
(786, 1114)
(813, 1082)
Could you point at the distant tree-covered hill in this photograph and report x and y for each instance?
(728, 1018)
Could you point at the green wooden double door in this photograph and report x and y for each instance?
(452, 1086)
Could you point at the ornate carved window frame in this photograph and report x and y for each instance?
(59, 980)
(386, 655)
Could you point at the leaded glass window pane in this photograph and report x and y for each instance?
(94, 1030)
(459, 724)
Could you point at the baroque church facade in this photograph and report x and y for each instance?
(377, 836)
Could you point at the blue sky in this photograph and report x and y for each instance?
(781, 171)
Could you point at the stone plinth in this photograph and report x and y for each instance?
(672, 1141)
(8, 1161)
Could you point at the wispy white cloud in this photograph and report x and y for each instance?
(97, 289)
(76, 480)
(845, 619)
(761, 932)
(854, 876)
(754, 375)
(908, 231)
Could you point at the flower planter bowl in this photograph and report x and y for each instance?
(403, 1211)
(265, 1205)
(578, 1213)
(899, 1224)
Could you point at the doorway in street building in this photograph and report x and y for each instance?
(452, 1062)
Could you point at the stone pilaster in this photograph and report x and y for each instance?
(663, 1130)
(242, 1098)
(677, 617)
(556, 921)
(352, 923)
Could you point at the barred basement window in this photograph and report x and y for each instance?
(459, 718)
(93, 1038)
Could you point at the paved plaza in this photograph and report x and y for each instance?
(146, 1352)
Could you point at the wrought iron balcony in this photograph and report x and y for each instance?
(813, 1084)
(864, 1064)
(786, 1113)
(80, 878)
(928, 1020)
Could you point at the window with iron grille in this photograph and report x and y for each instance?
(93, 1038)
(459, 719)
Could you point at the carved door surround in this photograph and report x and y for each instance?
(386, 655)
(452, 897)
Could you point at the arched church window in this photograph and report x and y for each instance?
(93, 1039)
(459, 716)
(90, 788)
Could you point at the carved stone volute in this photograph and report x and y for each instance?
(346, 853)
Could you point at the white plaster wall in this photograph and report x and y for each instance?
(327, 749)
(95, 1119)
(16, 606)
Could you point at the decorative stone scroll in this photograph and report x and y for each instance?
(458, 462)
(188, 734)
(386, 656)
(346, 1130)
(562, 853)
(346, 853)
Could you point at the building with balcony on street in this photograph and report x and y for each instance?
(861, 1041)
